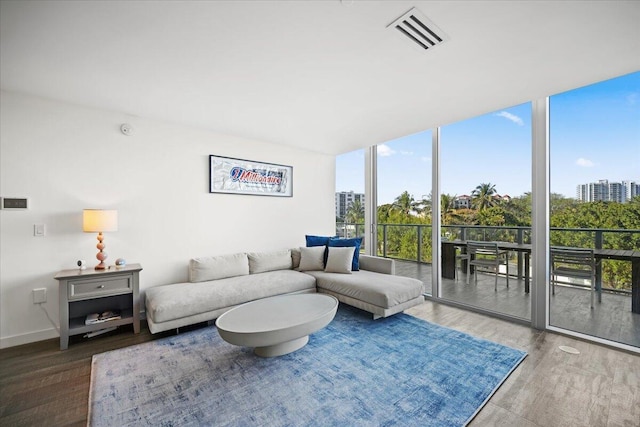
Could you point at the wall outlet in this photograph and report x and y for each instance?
(39, 295)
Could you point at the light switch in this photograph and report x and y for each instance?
(39, 230)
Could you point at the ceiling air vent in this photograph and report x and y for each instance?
(421, 31)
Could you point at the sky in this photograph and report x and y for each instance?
(594, 135)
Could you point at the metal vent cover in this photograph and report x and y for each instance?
(419, 29)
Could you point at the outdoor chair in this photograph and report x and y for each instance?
(578, 263)
(461, 256)
(486, 255)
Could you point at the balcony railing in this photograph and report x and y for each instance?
(412, 242)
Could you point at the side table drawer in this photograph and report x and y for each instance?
(91, 288)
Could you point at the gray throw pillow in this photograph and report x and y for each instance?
(339, 260)
(312, 258)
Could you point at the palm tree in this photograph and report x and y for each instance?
(423, 206)
(447, 209)
(355, 212)
(404, 203)
(383, 212)
(483, 196)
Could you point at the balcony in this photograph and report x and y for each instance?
(612, 319)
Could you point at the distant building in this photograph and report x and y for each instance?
(605, 191)
(344, 200)
(462, 202)
(465, 201)
(632, 189)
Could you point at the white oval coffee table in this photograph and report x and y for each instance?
(277, 325)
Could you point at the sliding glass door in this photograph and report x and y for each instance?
(485, 170)
(595, 206)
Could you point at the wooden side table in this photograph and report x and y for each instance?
(89, 291)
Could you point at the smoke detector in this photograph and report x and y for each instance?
(126, 129)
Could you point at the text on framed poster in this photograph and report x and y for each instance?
(238, 176)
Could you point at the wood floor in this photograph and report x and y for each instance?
(41, 385)
(598, 387)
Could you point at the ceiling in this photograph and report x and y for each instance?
(327, 76)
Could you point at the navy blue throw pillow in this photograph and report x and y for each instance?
(317, 240)
(342, 243)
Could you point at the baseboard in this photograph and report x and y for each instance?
(28, 338)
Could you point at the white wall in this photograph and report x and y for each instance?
(65, 158)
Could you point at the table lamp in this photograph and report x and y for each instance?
(99, 221)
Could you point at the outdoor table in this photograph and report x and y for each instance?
(633, 256)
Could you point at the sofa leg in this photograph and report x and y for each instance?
(376, 316)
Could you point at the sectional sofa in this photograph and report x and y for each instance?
(217, 284)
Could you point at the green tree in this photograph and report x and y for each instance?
(355, 212)
(558, 203)
(423, 206)
(405, 203)
(482, 196)
(518, 211)
(448, 212)
(600, 215)
(384, 212)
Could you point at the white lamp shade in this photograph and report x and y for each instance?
(99, 220)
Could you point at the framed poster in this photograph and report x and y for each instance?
(238, 176)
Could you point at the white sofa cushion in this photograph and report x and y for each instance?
(175, 301)
(218, 267)
(339, 260)
(261, 262)
(312, 258)
(382, 290)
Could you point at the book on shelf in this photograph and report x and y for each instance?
(105, 316)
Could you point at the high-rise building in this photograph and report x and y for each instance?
(606, 191)
(631, 189)
(344, 200)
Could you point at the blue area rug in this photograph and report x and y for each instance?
(398, 371)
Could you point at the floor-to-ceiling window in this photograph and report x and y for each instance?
(404, 205)
(594, 152)
(485, 171)
(485, 182)
(350, 197)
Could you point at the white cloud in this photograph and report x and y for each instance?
(406, 153)
(632, 98)
(426, 159)
(585, 163)
(515, 119)
(385, 151)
